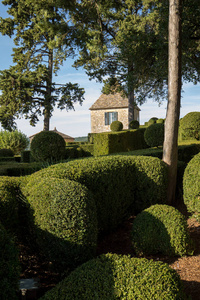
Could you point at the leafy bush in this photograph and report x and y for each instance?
(113, 142)
(161, 229)
(65, 221)
(191, 186)
(112, 277)
(14, 140)
(134, 124)
(48, 146)
(190, 126)
(120, 185)
(9, 267)
(9, 203)
(6, 153)
(152, 121)
(116, 126)
(162, 121)
(154, 135)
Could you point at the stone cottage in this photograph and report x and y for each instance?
(109, 108)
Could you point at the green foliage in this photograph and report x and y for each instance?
(79, 150)
(152, 121)
(134, 124)
(48, 146)
(27, 86)
(154, 135)
(121, 185)
(26, 156)
(181, 165)
(63, 215)
(9, 203)
(9, 267)
(187, 152)
(116, 126)
(6, 152)
(161, 229)
(112, 142)
(112, 277)
(190, 126)
(191, 186)
(14, 140)
(112, 86)
(162, 121)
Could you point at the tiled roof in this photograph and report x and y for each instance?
(110, 101)
(65, 136)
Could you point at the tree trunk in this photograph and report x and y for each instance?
(170, 147)
(47, 102)
(130, 106)
(130, 92)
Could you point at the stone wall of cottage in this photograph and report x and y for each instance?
(98, 119)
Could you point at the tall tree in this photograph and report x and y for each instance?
(170, 147)
(129, 40)
(119, 38)
(44, 38)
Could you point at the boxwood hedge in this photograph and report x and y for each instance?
(191, 186)
(10, 203)
(48, 146)
(112, 277)
(64, 219)
(121, 185)
(161, 229)
(9, 267)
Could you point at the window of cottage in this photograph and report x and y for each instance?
(110, 117)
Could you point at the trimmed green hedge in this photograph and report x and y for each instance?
(20, 169)
(79, 150)
(63, 217)
(112, 142)
(6, 152)
(191, 186)
(190, 126)
(121, 185)
(112, 277)
(185, 152)
(9, 267)
(154, 135)
(9, 203)
(116, 126)
(48, 146)
(161, 229)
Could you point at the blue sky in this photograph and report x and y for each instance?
(77, 123)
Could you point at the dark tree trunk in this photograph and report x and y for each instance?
(131, 99)
(47, 103)
(170, 147)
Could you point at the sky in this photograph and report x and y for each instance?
(77, 123)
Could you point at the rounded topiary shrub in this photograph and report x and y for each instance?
(6, 152)
(116, 126)
(154, 135)
(121, 185)
(9, 267)
(112, 277)
(134, 124)
(190, 126)
(161, 229)
(64, 221)
(48, 146)
(10, 203)
(162, 121)
(152, 121)
(191, 186)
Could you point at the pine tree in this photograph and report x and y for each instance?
(44, 37)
